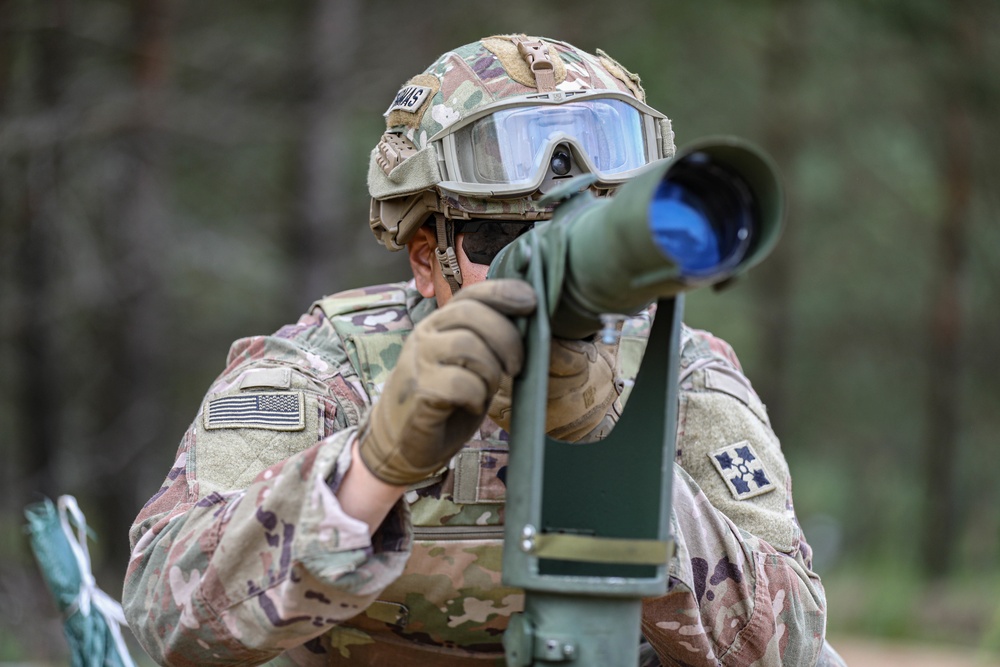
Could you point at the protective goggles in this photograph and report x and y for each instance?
(484, 239)
(504, 149)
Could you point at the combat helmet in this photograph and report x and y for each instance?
(483, 132)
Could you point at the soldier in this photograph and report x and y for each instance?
(339, 497)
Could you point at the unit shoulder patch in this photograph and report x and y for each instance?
(742, 470)
(276, 411)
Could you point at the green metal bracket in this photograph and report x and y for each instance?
(587, 525)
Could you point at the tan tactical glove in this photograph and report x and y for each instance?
(449, 369)
(581, 391)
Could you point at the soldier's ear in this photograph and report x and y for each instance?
(422, 260)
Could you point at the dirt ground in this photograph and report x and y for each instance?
(873, 653)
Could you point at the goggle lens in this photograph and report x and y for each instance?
(511, 146)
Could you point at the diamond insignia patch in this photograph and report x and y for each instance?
(742, 470)
(276, 411)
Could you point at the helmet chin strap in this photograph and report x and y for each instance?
(445, 252)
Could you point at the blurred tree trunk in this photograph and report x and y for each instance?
(133, 395)
(39, 175)
(6, 51)
(945, 313)
(323, 173)
(9, 236)
(784, 60)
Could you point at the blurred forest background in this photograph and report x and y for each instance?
(177, 174)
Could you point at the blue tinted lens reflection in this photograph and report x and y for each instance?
(683, 231)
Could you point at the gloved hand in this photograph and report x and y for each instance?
(581, 390)
(450, 367)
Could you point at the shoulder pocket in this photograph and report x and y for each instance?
(242, 433)
(375, 355)
(736, 460)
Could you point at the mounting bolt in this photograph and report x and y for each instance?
(528, 538)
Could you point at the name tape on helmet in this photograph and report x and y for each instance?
(409, 98)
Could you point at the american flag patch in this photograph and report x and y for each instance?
(742, 470)
(277, 411)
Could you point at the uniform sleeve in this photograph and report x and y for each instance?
(741, 589)
(245, 552)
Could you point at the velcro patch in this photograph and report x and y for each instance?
(409, 98)
(276, 411)
(267, 378)
(742, 470)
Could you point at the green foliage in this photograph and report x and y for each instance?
(893, 602)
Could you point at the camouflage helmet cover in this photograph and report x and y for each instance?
(403, 167)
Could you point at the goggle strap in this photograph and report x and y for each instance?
(536, 54)
(665, 135)
(445, 252)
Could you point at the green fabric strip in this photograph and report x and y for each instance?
(467, 477)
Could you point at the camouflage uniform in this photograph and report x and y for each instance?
(244, 555)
